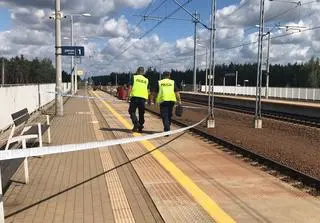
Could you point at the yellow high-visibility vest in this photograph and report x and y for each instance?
(140, 87)
(166, 91)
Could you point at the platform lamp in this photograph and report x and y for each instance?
(74, 78)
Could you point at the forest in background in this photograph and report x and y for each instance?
(19, 70)
(290, 75)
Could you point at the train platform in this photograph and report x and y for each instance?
(302, 103)
(310, 110)
(179, 178)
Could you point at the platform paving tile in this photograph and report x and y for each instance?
(76, 186)
(245, 192)
(173, 202)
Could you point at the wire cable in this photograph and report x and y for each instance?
(148, 31)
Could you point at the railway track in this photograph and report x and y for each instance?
(297, 119)
(284, 172)
(293, 177)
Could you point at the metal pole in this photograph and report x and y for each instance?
(2, 73)
(258, 121)
(268, 66)
(195, 54)
(236, 78)
(224, 83)
(206, 90)
(211, 121)
(72, 58)
(116, 79)
(76, 78)
(236, 82)
(213, 53)
(210, 69)
(160, 69)
(59, 101)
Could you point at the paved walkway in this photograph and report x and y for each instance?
(78, 186)
(186, 180)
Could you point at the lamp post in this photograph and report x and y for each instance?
(58, 90)
(74, 76)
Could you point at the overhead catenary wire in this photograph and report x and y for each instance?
(192, 15)
(246, 44)
(236, 46)
(268, 19)
(149, 31)
(158, 7)
(136, 26)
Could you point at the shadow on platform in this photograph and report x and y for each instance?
(88, 180)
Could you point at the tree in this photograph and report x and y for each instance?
(22, 71)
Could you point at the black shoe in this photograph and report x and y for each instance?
(140, 129)
(135, 129)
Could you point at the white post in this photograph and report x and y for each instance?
(25, 163)
(236, 82)
(314, 94)
(39, 135)
(224, 84)
(76, 78)
(49, 131)
(1, 201)
(59, 100)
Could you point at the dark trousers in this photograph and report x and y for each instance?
(166, 108)
(136, 102)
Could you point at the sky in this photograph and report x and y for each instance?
(117, 38)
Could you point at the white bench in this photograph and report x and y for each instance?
(22, 131)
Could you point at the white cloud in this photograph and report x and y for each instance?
(111, 33)
(115, 28)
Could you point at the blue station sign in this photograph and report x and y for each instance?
(72, 51)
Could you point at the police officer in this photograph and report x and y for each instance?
(167, 96)
(138, 92)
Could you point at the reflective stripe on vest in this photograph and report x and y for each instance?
(140, 87)
(166, 91)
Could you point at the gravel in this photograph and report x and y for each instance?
(293, 145)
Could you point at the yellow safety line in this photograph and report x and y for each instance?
(201, 197)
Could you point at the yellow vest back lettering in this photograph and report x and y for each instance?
(166, 91)
(140, 87)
